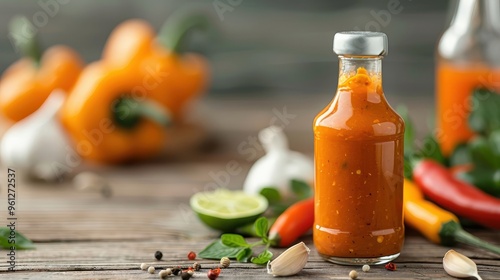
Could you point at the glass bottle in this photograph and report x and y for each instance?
(358, 155)
(468, 56)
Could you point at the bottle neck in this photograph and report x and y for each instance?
(475, 14)
(353, 66)
(473, 36)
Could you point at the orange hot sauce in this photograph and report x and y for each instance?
(454, 87)
(359, 169)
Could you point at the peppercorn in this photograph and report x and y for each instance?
(391, 266)
(144, 266)
(158, 255)
(213, 273)
(353, 274)
(164, 273)
(176, 270)
(365, 268)
(185, 275)
(196, 266)
(151, 269)
(191, 256)
(224, 262)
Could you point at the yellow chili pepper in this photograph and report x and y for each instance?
(27, 83)
(119, 107)
(436, 224)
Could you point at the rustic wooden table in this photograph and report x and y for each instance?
(82, 235)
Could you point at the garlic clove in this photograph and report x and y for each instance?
(290, 262)
(460, 266)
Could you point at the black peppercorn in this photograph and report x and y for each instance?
(185, 275)
(176, 270)
(158, 255)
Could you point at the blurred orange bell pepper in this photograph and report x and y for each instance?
(173, 77)
(118, 107)
(27, 83)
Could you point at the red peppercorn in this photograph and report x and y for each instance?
(390, 266)
(191, 255)
(213, 273)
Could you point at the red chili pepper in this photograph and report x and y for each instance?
(291, 224)
(457, 196)
(391, 266)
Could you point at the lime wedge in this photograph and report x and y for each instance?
(227, 210)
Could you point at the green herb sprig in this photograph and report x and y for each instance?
(234, 246)
(21, 242)
(278, 204)
(476, 161)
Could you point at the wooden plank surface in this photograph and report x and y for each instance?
(81, 235)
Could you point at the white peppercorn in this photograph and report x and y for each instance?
(366, 268)
(144, 266)
(164, 273)
(224, 262)
(353, 274)
(151, 269)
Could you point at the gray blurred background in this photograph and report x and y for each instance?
(265, 50)
(270, 45)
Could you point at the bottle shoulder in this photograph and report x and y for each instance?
(353, 123)
(470, 45)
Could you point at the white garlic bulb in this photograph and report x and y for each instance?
(278, 166)
(37, 143)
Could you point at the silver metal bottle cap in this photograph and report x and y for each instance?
(360, 43)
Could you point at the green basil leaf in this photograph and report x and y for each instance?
(408, 168)
(409, 136)
(494, 143)
(271, 194)
(485, 116)
(244, 255)
(233, 240)
(301, 189)
(263, 257)
(249, 229)
(216, 250)
(483, 154)
(460, 155)
(20, 242)
(261, 227)
(485, 179)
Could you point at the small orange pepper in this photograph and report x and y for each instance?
(118, 108)
(424, 215)
(27, 83)
(436, 224)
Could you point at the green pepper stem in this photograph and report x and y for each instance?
(469, 239)
(23, 35)
(127, 112)
(452, 232)
(177, 26)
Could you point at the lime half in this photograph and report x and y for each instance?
(227, 210)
